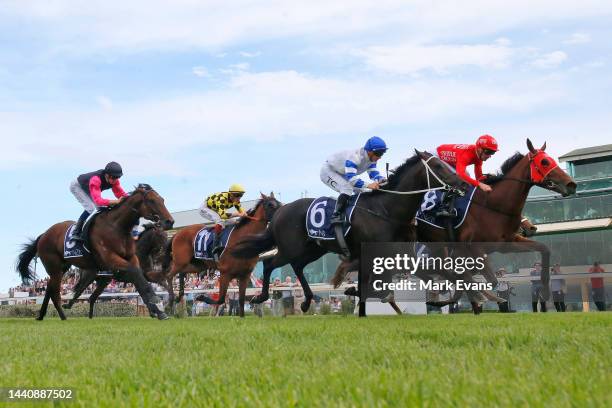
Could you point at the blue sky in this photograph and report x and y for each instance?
(193, 96)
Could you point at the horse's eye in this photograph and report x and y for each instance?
(545, 162)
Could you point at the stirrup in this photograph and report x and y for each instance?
(336, 219)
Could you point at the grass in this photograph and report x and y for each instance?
(551, 360)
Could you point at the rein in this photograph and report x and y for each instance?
(428, 170)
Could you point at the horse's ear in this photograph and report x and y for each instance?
(419, 153)
(543, 147)
(530, 146)
(263, 196)
(272, 194)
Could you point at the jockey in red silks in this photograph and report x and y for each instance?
(88, 187)
(459, 156)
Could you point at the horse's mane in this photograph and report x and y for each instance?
(141, 186)
(395, 175)
(505, 168)
(250, 213)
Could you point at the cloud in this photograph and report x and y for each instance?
(408, 59)
(200, 71)
(104, 102)
(550, 60)
(246, 54)
(148, 25)
(266, 106)
(578, 38)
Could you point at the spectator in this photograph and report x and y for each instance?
(233, 295)
(558, 289)
(276, 297)
(536, 289)
(597, 288)
(504, 290)
(287, 296)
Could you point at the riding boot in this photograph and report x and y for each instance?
(78, 229)
(338, 215)
(217, 247)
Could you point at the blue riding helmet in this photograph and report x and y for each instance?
(375, 143)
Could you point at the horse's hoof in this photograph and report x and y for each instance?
(162, 316)
(258, 299)
(39, 318)
(305, 306)
(352, 291)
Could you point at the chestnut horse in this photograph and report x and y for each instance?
(183, 260)
(150, 247)
(112, 248)
(495, 217)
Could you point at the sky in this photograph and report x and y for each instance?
(191, 96)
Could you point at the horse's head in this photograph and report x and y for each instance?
(544, 172)
(152, 207)
(270, 205)
(442, 171)
(527, 229)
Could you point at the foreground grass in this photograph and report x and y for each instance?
(462, 360)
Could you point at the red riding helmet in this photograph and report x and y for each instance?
(487, 142)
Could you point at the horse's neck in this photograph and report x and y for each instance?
(254, 225)
(404, 206)
(125, 216)
(510, 195)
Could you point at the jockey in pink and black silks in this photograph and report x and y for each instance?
(88, 187)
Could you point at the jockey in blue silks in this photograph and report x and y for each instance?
(341, 171)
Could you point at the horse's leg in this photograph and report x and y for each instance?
(55, 283)
(181, 287)
(101, 284)
(362, 285)
(242, 285)
(43, 309)
(298, 268)
(224, 281)
(134, 274)
(269, 265)
(84, 281)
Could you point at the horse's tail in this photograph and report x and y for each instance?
(23, 261)
(167, 255)
(253, 245)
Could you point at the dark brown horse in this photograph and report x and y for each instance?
(150, 248)
(183, 260)
(112, 248)
(495, 217)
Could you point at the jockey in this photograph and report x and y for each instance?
(459, 156)
(88, 187)
(340, 172)
(214, 209)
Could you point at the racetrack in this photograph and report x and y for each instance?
(454, 360)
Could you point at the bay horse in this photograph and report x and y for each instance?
(494, 218)
(380, 216)
(181, 251)
(150, 247)
(112, 248)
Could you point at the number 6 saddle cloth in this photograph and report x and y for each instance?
(319, 214)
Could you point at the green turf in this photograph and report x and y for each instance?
(551, 360)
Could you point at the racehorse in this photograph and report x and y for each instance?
(150, 247)
(111, 243)
(494, 218)
(380, 216)
(181, 252)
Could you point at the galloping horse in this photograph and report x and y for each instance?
(495, 217)
(111, 243)
(380, 216)
(150, 248)
(182, 252)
